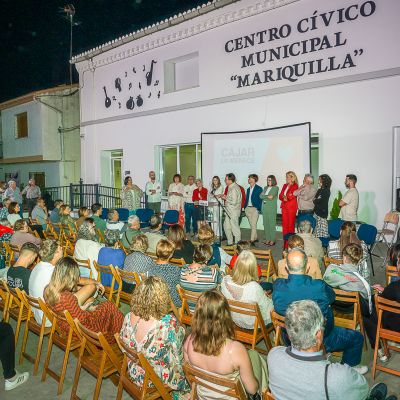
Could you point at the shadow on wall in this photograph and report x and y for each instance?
(368, 211)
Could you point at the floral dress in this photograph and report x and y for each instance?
(131, 198)
(163, 348)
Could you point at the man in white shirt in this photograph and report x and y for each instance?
(233, 207)
(153, 193)
(32, 193)
(189, 205)
(349, 202)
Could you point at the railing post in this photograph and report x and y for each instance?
(96, 193)
(81, 192)
(71, 195)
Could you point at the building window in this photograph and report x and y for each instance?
(21, 125)
(181, 73)
(315, 156)
(184, 159)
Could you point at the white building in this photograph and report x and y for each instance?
(40, 137)
(147, 97)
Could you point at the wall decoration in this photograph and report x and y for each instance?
(107, 101)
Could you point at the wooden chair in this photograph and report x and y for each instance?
(279, 323)
(40, 330)
(130, 277)
(185, 315)
(328, 261)
(86, 265)
(69, 249)
(268, 396)
(229, 250)
(15, 249)
(68, 343)
(266, 261)
(9, 256)
(351, 319)
(391, 272)
(177, 261)
(16, 309)
(225, 386)
(383, 305)
(100, 235)
(4, 297)
(126, 251)
(98, 358)
(145, 391)
(251, 337)
(110, 291)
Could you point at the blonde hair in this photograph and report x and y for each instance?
(176, 234)
(165, 249)
(295, 241)
(151, 299)
(292, 176)
(140, 243)
(348, 235)
(212, 324)
(353, 252)
(245, 269)
(206, 235)
(65, 277)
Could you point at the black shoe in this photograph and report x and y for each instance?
(378, 391)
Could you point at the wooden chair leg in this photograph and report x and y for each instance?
(76, 378)
(38, 353)
(120, 389)
(47, 359)
(99, 380)
(63, 371)
(24, 341)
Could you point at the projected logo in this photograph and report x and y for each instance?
(237, 155)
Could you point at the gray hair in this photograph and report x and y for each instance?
(309, 177)
(304, 226)
(11, 181)
(296, 260)
(133, 219)
(303, 320)
(111, 236)
(87, 230)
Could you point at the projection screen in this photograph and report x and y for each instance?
(272, 151)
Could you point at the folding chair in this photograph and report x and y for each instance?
(389, 230)
(69, 249)
(98, 358)
(215, 383)
(126, 251)
(9, 257)
(391, 272)
(187, 297)
(180, 262)
(123, 214)
(4, 297)
(129, 277)
(251, 337)
(171, 217)
(31, 325)
(368, 233)
(334, 226)
(383, 305)
(100, 235)
(84, 266)
(112, 290)
(328, 261)
(68, 343)
(266, 262)
(279, 324)
(144, 215)
(229, 250)
(140, 392)
(309, 218)
(268, 396)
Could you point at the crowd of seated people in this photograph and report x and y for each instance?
(300, 292)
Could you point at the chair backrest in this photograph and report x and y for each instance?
(214, 383)
(268, 396)
(104, 213)
(144, 215)
(351, 298)
(123, 214)
(122, 247)
(229, 250)
(177, 261)
(309, 218)
(4, 297)
(86, 265)
(367, 233)
(185, 315)
(110, 270)
(100, 235)
(391, 272)
(334, 226)
(266, 261)
(69, 249)
(130, 277)
(279, 323)
(171, 217)
(32, 303)
(9, 254)
(392, 217)
(130, 355)
(383, 304)
(328, 261)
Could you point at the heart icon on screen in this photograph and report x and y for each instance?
(285, 153)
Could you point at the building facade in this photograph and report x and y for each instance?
(146, 98)
(40, 137)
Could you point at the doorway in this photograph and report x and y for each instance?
(116, 168)
(111, 168)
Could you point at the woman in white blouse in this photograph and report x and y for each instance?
(175, 193)
(243, 286)
(214, 196)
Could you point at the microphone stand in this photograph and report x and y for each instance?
(220, 205)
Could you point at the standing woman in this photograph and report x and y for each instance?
(217, 190)
(130, 196)
(321, 201)
(288, 204)
(175, 193)
(200, 211)
(269, 197)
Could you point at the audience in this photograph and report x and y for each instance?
(40, 213)
(86, 247)
(66, 291)
(154, 235)
(113, 222)
(18, 275)
(110, 254)
(299, 286)
(97, 211)
(198, 276)
(302, 371)
(22, 235)
(348, 235)
(137, 261)
(131, 232)
(243, 286)
(83, 213)
(184, 248)
(312, 268)
(12, 378)
(4, 210)
(13, 213)
(211, 347)
(169, 272)
(55, 212)
(150, 329)
(312, 245)
(65, 217)
(6, 231)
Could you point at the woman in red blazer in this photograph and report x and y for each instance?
(289, 204)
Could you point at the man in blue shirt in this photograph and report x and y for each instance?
(300, 286)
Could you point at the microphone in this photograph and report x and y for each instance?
(213, 191)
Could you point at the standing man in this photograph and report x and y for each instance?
(32, 193)
(305, 195)
(14, 194)
(189, 205)
(153, 193)
(233, 206)
(349, 203)
(252, 206)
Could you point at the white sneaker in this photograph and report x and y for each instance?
(394, 344)
(361, 369)
(382, 356)
(19, 379)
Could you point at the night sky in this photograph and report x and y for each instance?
(34, 48)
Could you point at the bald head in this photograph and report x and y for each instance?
(296, 262)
